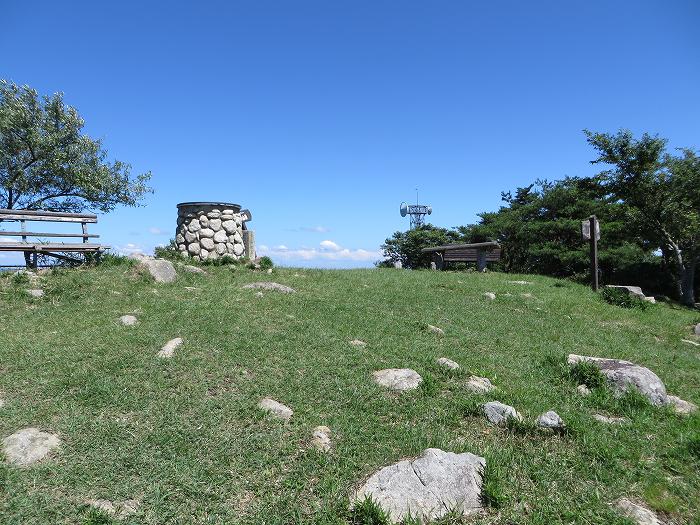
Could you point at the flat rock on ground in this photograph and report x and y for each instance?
(118, 509)
(682, 407)
(399, 379)
(29, 445)
(428, 487)
(638, 514)
(276, 409)
(35, 292)
(435, 330)
(161, 270)
(498, 413)
(447, 363)
(479, 385)
(696, 330)
(519, 282)
(321, 438)
(550, 419)
(169, 348)
(128, 320)
(490, 295)
(267, 285)
(583, 390)
(192, 269)
(358, 342)
(623, 375)
(610, 420)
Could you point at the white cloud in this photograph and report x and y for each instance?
(155, 231)
(328, 250)
(315, 229)
(129, 249)
(330, 245)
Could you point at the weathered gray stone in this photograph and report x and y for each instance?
(623, 375)
(428, 487)
(640, 515)
(519, 282)
(358, 342)
(190, 237)
(203, 253)
(179, 238)
(161, 270)
(266, 285)
(215, 224)
(447, 363)
(398, 265)
(697, 329)
(237, 238)
(221, 248)
(206, 233)
(632, 290)
(433, 266)
(550, 419)
(207, 244)
(2, 402)
(238, 249)
(169, 348)
(398, 379)
(321, 438)
(498, 413)
(479, 385)
(276, 409)
(610, 420)
(436, 330)
(29, 445)
(192, 269)
(490, 295)
(682, 407)
(35, 292)
(220, 236)
(128, 320)
(194, 226)
(583, 390)
(204, 221)
(229, 226)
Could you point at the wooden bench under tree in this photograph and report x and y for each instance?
(39, 246)
(479, 253)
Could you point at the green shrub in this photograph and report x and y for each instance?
(265, 263)
(368, 513)
(168, 251)
(586, 373)
(623, 298)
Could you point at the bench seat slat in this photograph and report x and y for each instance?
(46, 234)
(50, 247)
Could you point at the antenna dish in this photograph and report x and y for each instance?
(403, 209)
(430, 210)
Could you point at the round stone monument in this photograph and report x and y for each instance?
(209, 230)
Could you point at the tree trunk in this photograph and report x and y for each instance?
(687, 284)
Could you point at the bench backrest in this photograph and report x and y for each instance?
(470, 255)
(23, 216)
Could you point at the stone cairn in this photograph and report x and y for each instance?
(209, 230)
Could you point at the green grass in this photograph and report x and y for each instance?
(185, 438)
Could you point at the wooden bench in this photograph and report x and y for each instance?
(479, 253)
(48, 248)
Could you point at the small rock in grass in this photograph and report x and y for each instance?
(498, 413)
(490, 295)
(697, 329)
(321, 438)
(519, 282)
(2, 402)
(436, 330)
(447, 363)
(398, 379)
(192, 269)
(118, 509)
(358, 342)
(269, 271)
(35, 292)
(427, 488)
(276, 409)
(694, 343)
(550, 419)
(527, 295)
(583, 390)
(682, 407)
(270, 286)
(609, 420)
(479, 385)
(640, 515)
(259, 294)
(169, 348)
(192, 288)
(128, 320)
(29, 445)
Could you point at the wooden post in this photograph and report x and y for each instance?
(85, 238)
(593, 221)
(481, 260)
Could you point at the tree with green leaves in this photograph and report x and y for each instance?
(405, 247)
(662, 191)
(48, 163)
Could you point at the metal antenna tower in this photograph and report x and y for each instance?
(416, 212)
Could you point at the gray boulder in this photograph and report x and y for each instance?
(632, 290)
(276, 409)
(435, 330)
(29, 445)
(681, 406)
(36, 293)
(161, 270)
(638, 514)
(479, 385)
(623, 375)
(447, 363)
(498, 413)
(169, 348)
(550, 419)
(321, 438)
(428, 487)
(398, 379)
(128, 320)
(270, 286)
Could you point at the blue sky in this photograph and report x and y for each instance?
(321, 117)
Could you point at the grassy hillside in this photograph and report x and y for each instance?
(184, 437)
